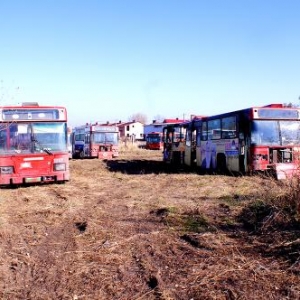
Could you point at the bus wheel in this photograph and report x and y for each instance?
(221, 164)
(81, 155)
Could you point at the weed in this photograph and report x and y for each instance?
(252, 216)
(229, 222)
(274, 212)
(196, 223)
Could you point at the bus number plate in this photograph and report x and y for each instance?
(33, 179)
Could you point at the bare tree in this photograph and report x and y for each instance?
(159, 118)
(138, 117)
(291, 105)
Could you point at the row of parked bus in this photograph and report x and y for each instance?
(246, 141)
(34, 142)
(94, 141)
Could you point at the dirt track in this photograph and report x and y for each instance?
(127, 229)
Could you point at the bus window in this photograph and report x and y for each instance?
(204, 132)
(98, 137)
(290, 132)
(111, 138)
(229, 127)
(49, 136)
(79, 137)
(188, 138)
(198, 137)
(20, 137)
(3, 137)
(214, 129)
(87, 138)
(265, 133)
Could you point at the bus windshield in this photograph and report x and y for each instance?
(32, 137)
(270, 133)
(105, 138)
(79, 137)
(153, 139)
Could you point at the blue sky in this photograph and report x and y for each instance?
(107, 60)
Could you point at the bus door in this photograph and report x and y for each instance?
(198, 147)
(166, 144)
(244, 145)
(190, 146)
(87, 144)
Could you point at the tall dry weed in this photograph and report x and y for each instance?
(271, 212)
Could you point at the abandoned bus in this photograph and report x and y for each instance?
(173, 143)
(33, 144)
(254, 139)
(154, 141)
(95, 141)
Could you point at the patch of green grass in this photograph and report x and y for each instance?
(196, 223)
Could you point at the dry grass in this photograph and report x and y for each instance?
(129, 229)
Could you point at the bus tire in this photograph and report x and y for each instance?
(221, 164)
(81, 154)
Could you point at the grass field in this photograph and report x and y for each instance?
(129, 229)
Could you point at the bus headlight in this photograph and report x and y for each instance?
(6, 170)
(60, 167)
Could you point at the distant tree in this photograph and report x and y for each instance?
(290, 104)
(159, 118)
(138, 117)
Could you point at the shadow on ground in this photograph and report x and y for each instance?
(142, 167)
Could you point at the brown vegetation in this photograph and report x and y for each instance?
(131, 229)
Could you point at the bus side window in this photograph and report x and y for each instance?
(3, 137)
(229, 127)
(204, 132)
(198, 138)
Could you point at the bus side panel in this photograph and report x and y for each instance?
(229, 149)
(187, 155)
(198, 156)
(211, 152)
(115, 151)
(206, 155)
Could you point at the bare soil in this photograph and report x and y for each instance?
(133, 229)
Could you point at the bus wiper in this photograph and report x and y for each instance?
(47, 151)
(33, 139)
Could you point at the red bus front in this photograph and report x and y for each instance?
(33, 145)
(154, 141)
(22, 169)
(275, 146)
(104, 142)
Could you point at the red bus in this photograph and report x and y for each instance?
(33, 144)
(154, 141)
(246, 141)
(95, 141)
